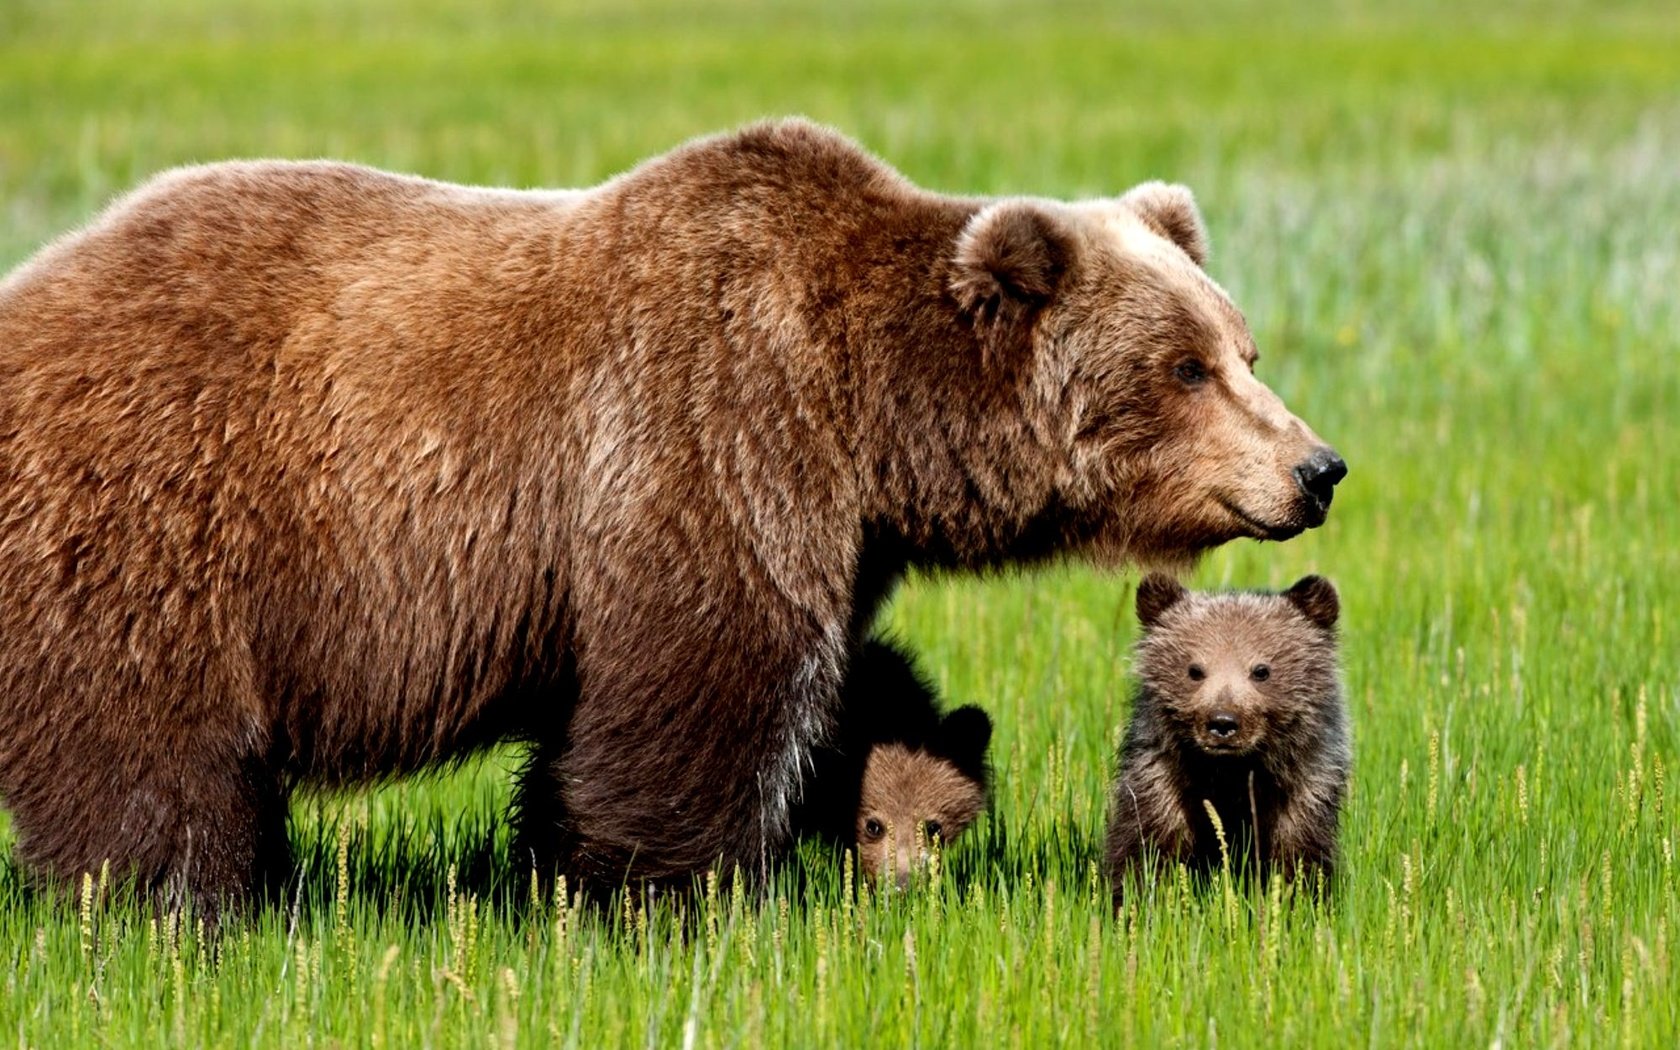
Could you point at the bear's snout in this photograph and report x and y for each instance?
(902, 872)
(1317, 476)
(1226, 724)
(1224, 732)
(1223, 726)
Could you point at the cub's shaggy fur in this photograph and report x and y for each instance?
(314, 473)
(1238, 708)
(898, 772)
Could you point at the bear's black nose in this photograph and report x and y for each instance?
(1223, 726)
(1318, 477)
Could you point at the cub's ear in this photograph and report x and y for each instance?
(1316, 598)
(1170, 210)
(1009, 261)
(964, 736)
(1157, 593)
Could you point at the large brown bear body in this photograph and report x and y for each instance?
(313, 473)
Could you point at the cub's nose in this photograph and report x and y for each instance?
(1223, 726)
(1318, 476)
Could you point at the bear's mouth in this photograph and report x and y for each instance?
(1224, 748)
(1258, 529)
(1315, 508)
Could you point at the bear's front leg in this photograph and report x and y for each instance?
(1304, 836)
(692, 753)
(1146, 822)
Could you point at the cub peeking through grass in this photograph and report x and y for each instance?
(899, 773)
(1238, 711)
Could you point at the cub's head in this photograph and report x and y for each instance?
(1233, 674)
(1143, 374)
(914, 794)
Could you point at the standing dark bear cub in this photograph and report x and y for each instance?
(1238, 708)
(311, 473)
(898, 772)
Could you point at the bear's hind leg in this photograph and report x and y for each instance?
(214, 837)
(234, 851)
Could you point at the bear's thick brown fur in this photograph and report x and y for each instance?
(893, 765)
(314, 473)
(1239, 708)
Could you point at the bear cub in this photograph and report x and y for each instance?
(898, 774)
(1238, 709)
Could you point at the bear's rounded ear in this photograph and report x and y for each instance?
(1157, 593)
(1009, 261)
(1170, 210)
(1317, 600)
(964, 736)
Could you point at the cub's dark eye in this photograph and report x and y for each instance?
(1196, 673)
(933, 829)
(872, 829)
(1190, 372)
(1260, 673)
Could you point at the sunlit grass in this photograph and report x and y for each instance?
(1456, 238)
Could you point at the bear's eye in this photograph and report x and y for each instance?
(933, 829)
(1260, 673)
(872, 829)
(1191, 372)
(1196, 673)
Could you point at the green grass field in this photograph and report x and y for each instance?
(1457, 238)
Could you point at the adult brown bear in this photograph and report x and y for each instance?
(312, 473)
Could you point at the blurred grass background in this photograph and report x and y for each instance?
(1457, 236)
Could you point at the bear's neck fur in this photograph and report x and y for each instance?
(1245, 794)
(954, 448)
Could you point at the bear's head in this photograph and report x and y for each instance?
(913, 794)
(1141, 374)
(1233, 674)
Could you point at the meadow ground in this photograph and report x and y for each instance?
(1457, 237)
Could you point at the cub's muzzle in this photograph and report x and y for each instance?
(1222, 726)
